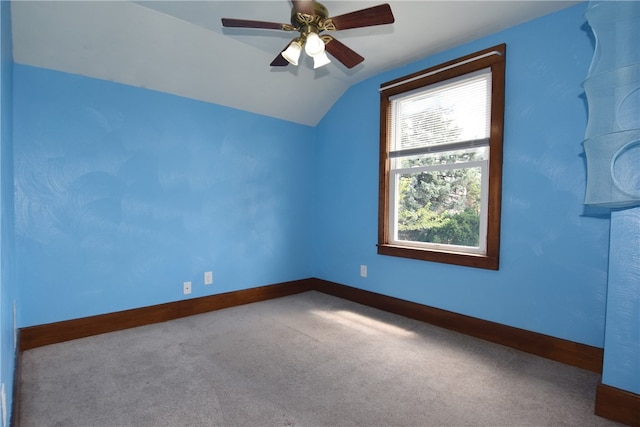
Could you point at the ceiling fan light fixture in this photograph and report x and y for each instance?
(321, 60)
(292, 53)
(314, 45)
(310, 19)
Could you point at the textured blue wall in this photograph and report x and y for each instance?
(613, 119)
(553, 269)
(8, 286)
(621, 367)
(124, 193)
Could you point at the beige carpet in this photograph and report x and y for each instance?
(304, 360)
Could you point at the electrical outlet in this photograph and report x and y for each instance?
(208, 277)
(363, 271)
(186, 288)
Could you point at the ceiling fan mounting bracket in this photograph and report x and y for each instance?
(320, 13)
(317, 22)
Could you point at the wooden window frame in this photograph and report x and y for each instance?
(493, 58)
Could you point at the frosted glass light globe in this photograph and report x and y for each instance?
(314, 45)
(321, 60)
(292, 53)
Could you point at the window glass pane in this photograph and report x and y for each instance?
(440, 206)
(443, 158)
(456, 110)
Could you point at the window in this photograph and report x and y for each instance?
(441, 162)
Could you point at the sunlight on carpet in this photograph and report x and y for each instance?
(362, 323)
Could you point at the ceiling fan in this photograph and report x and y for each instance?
(310, 19)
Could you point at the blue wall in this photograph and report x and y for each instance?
(123, 193)
(553, 269)
(8, 287)
(621, 366)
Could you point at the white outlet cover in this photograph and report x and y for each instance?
(208, 277)
(363, 271)
(186, 288)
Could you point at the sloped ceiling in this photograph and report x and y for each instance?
(180, 47)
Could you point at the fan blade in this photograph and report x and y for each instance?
(279, 60)
(303, 6)
(245, 23)
(376, 15)
(343, 53)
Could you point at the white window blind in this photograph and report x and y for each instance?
(453, 114)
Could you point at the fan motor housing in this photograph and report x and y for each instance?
(320, 13)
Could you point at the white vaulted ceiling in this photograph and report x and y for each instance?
(180, 47)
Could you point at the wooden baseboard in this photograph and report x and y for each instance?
(568, 352)
(571, 353)
(618, 405)
(51, 333)
(612, 403)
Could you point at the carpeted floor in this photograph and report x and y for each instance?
(304, 360)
